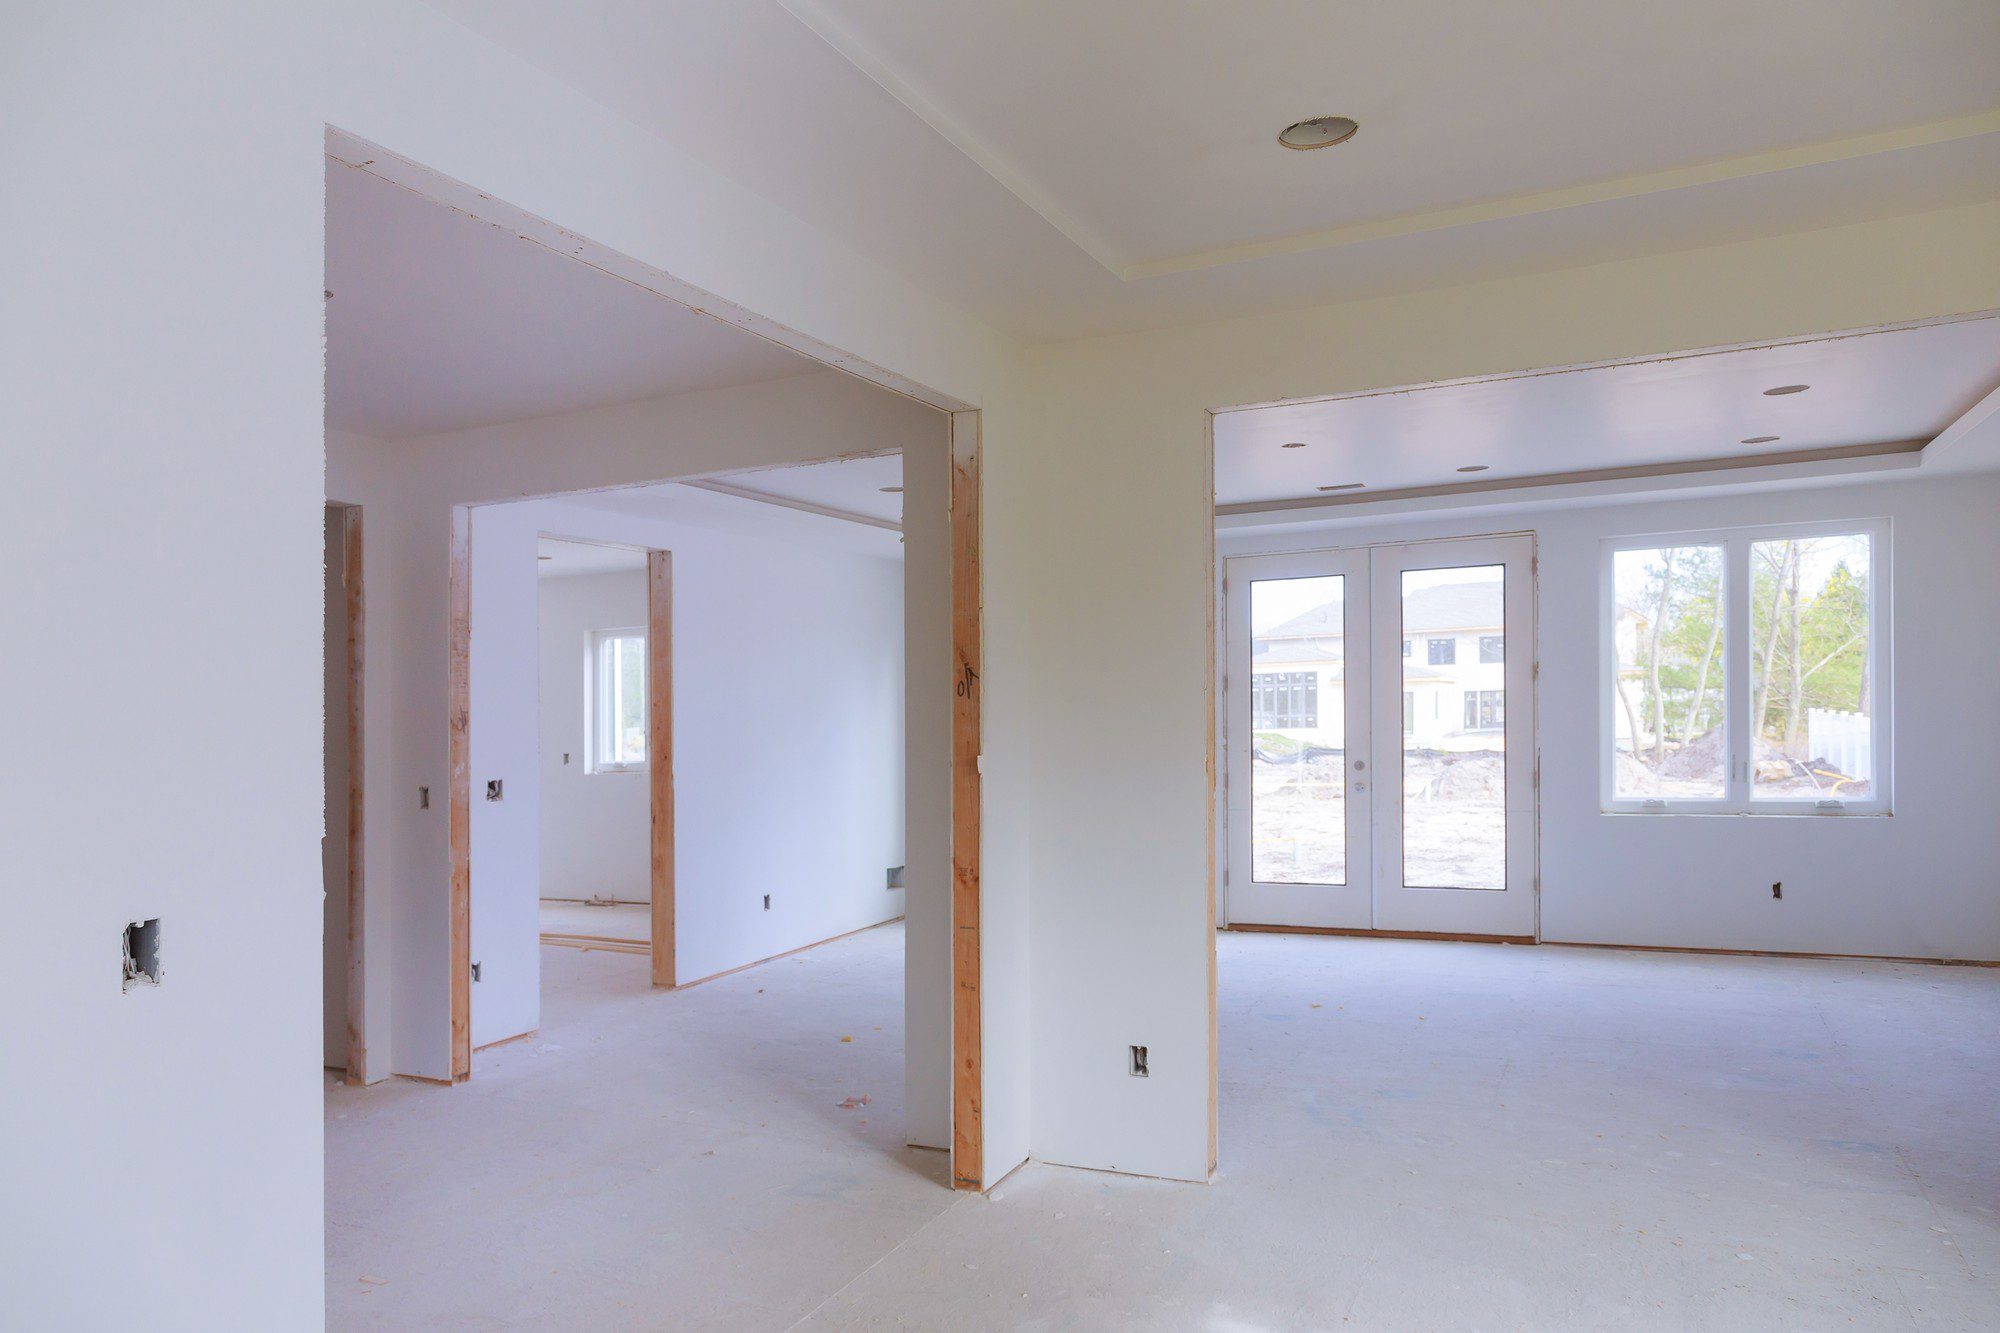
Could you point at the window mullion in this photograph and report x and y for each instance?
(1739, 728)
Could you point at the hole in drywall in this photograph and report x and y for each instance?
(895, 877)
(1778, 889)
(142, 953)
(1139, 1069)
(767, 902)
(423, 798)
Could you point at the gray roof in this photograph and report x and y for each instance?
(1446, 606)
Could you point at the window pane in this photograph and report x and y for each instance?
(1812, 700)
(1454, 741)
(629, 744)
(1667, 712)
(1298, 787)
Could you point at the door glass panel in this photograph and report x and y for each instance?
(1298, 782)
(1666, 685)
(1454, 728)
(1812, 700)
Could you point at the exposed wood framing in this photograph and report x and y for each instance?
(460, 816)
(967, 1125)
(660, 754)
(1209, 908)
(357, 989)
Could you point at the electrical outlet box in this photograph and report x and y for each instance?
(767, 902)
(141, 962)
(895, 877)
(1138, 1068)
(493, 790)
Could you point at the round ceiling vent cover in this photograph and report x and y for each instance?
(1319, 132)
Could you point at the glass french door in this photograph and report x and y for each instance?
(1380, 730)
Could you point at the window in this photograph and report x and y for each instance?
(617, 741)
(1444, 652)
(1492, 647)
(1485, 710)
(1285, 699)
(1408, 645)
(1746, 671)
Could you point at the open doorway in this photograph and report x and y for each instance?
(596, 753)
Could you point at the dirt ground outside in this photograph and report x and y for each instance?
(1455, 825)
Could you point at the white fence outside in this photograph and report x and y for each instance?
(1844, 740)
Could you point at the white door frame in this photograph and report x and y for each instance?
(1322, 906)
(1373, 900)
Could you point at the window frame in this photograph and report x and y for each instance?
(1738, 670)
(597, 716)
(1450, 643)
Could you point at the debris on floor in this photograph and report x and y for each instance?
(854, 1103)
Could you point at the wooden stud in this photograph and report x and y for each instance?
(1209, 712)
(967, 1125)
(460, 815)
(357, 990)
(660, 755)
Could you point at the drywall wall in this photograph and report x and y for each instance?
(1116, 462)
(788, 731)
(594, 826)
(333, 843)
(175, 222)
(927, 656)
(1922, 883)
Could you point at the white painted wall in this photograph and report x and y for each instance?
(176, 228)
(594, 826)
(927, 656)
(1923, 883)
(788, 732)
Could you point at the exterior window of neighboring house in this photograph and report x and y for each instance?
(1793, 721)
(1485, 710)
(617, 709)
(1444, 652)
(1282, 699)
(1408, 646)
(1409, 704)
(1492, 647)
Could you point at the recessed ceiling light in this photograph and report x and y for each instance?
(1762, 439)
(1345, 486)
(1784, 389)
(892, 490)
(1294, 444)
(1319, 132)
(1476, 467)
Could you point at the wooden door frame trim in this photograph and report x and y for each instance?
(354, 610)
(459, 816)
(968, 1143)
(660, 759)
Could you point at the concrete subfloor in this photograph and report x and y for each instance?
(1414, 1136)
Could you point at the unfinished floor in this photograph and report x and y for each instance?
(1415, 1135)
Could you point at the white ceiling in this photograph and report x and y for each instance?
(1070, 168)
(848, 486)
(1866, 389)
(439, 322)
(560, 559)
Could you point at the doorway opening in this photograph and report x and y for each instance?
(606, 842)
